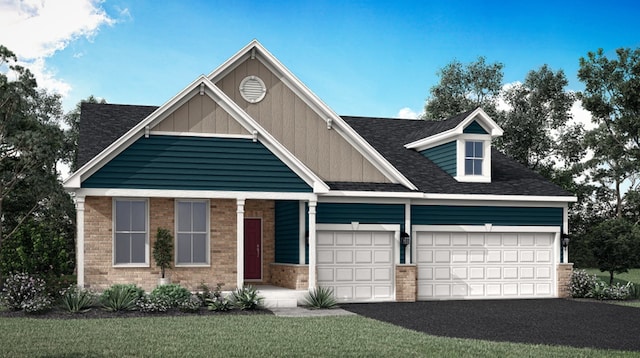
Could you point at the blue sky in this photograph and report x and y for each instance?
(370, 58)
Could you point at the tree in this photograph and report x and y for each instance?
(615, 245)
(463, 88)
(163, 250)
(612, 95)
(72, 119)
(536, 133)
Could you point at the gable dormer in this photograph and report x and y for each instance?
(463, 151)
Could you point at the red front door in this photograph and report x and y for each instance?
(252, 249)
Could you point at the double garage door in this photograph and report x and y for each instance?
(357, 265)
(484, 265)
(464, 262)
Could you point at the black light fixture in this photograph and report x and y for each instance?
(565, 240)
(405, 239)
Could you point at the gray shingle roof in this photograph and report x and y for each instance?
(389, 136)
(102, 124)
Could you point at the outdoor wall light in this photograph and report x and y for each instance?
(405, 239)
(565, 240)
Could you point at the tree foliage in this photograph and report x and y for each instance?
(615, 246)
(36, 213)
(612, 95)
(463, 88)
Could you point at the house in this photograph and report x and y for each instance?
(261, 182)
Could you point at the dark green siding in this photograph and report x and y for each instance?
(443, 156)
(474, 128)
(342, 213)
(287, 229)
(197, 163)
(480, 215)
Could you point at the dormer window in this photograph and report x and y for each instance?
(473, 158)
(464, 151)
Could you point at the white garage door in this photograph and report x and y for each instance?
(357, 265)
(480, 265)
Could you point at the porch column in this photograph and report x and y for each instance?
(302, 245)
(312, 244)
(80, 240)
(240, 243)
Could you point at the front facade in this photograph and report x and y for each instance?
(260, 182)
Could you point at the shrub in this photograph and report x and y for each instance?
(173, 294)
(320, 297)
(77, 300)
(24, 292)
(581, 283)
(121, 297)
(150, 303)
(163, 250)
(246, 298)
(602, 291)
(206, 294)
(217, 301)
(192, 304)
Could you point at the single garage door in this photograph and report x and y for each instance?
(357, 265)
(481, 265)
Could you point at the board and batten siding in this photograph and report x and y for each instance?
(444, 156)
(197, 163)
(474, 128)
(200, 115)
(287, 227)
(299, 128)
(480, 215)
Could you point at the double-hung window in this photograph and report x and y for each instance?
(131, 232)
(473, 157)
(192, 232)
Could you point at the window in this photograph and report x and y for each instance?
(192, 232)
(131, 232)
(473, 158)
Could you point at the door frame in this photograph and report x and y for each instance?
(261, 250)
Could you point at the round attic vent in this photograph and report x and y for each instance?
(252, 89)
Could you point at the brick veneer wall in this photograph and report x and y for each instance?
(295, 277)
(564, 278)
(100, 272)
(406, 276)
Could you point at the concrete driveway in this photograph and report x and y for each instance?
(545, 321)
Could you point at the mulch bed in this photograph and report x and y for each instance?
(96, 313)
(575, 323)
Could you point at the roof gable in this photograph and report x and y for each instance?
(450, 129)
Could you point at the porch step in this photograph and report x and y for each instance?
(280, 297)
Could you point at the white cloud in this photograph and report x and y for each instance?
(581, 115)
(35, 29)
(407, 113)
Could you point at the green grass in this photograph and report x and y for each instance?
(254, 335)
(633, 275)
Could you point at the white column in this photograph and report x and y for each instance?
(301, 235)
(407, 228)
(240, 242)
(80, 240)
(312, 244)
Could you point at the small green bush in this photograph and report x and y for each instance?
(149, 303)
(22, 291)
(619, 292)
(77, 300)
(246, 298)
(192, 304)
(581, 283)
(121, 297)
(320, 298)
(206, 294)
(173, 294)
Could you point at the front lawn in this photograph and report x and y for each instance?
(633, 275)
(246, 336)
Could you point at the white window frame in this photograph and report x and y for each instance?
(461, 157)
(207, 237)
(114, 232)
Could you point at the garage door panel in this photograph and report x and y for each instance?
(324, 239)
(509, 265)
(357, 265)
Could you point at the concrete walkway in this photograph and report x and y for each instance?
(305, 312)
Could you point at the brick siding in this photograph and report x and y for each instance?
(564, 278)
(295, 277)
(406, 289)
